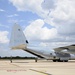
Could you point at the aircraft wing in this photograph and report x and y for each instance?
(70, 47)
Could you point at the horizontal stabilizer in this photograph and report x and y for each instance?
(23, 46)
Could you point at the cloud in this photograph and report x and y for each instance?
(48, 4)
(63, 19)
(60, 14)
(36, 31)
(1, 10)
(13, 20)
(27, 5)
(63, 16)
(14, 15)
(4, 26)
(3, 37)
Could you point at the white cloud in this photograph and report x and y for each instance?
(3, 37)
(59, 13)
(36, 31)
(33, 6)
(13, 21)
(26, 5)
(48, 4)
(1, 10)
(4, 26)
(13, 15)
(63, 16)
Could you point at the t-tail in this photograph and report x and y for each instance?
(18, 39)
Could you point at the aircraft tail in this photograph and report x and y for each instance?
(18, 39)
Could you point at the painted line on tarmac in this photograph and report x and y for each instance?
(41, 72)
(15, 65)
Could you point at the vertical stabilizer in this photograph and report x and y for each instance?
(18, 39)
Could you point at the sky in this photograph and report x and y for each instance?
(45, 23)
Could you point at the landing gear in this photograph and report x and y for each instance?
(60, 60)
(57, 60)
(54, 60)
(65, 60)
(11, 59)
(36, 59)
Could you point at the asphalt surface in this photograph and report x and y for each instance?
(42, 67)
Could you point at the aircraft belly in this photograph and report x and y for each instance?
(71, 51)
(62, 55)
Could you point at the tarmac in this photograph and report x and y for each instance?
(42, 67)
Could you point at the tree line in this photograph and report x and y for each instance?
(16, 57)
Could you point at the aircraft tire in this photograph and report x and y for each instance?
(65, 60)
(54, 60)
(36, 60)
(60, 60)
